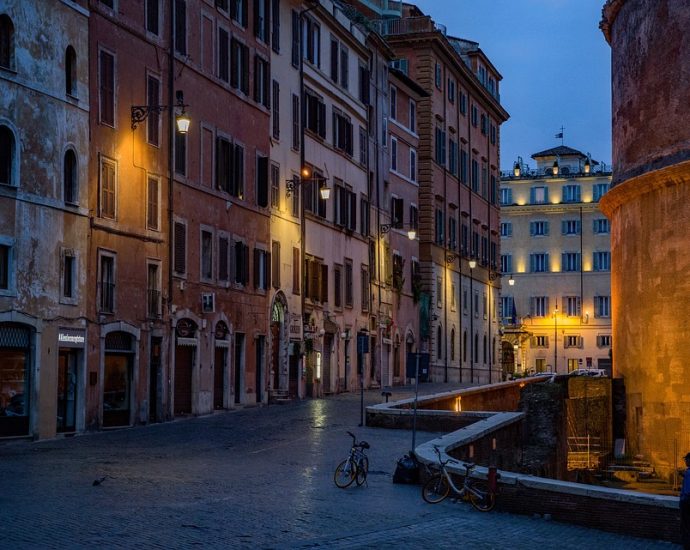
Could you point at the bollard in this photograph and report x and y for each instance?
(387, 394)
(493, 478)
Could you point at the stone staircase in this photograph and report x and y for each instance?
(279, 397)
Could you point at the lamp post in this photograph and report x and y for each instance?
(472, 264)
(555, 339)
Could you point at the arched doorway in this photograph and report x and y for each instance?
(185, 357)
(15, 379)
(220, 364)
(117, 379)
(279, 312)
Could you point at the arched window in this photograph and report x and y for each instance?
(70, 180)
(7, 152)
(6, 42)
(439, 342)
(452, 345)
(71, 71)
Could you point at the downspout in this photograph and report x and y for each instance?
(444, 263)
(171, 179)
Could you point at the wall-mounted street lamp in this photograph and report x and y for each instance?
(555, 168)
(450, 258)
(141, 112)
(511, 281)
(472, 263)
(411, 231)
(517, 167)
(588, 166)
(308, 177)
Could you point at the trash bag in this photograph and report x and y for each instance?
(406, 470)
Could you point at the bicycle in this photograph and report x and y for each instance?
(438, 486)
(355, 467)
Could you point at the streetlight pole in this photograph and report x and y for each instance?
(472, 264)
(555, 339)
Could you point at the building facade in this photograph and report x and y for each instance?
(44, 217)
(555, 303)
(650, 217)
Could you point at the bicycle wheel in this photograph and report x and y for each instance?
(484, 500)
(362, 470)
(436, 489)
(345, 473)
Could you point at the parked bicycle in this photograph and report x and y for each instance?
(355, 467)
(439, 485)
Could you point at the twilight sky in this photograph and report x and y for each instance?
(555, 65)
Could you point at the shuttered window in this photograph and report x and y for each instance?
(180, 263)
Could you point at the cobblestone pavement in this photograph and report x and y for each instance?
(251, 478)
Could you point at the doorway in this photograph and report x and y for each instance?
(260, 346)
(220, 364)
(117, 387)
(154, 378)
(239, 366)
(326, 379)
(184, 362)
(67, 391)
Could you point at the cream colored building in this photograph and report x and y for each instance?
(555, 264)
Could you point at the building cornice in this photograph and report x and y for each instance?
(608, 15)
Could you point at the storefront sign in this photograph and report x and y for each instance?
(71, 338)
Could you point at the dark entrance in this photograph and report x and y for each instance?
(275, 353)
(117, 379)
(294, 375)
(326, 377)
(259, 365)
(15, 382)
(155, 378)
(239, 366)
(184, 361)
(219, 366)
(67, 391)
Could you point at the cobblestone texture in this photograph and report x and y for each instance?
(252, 478)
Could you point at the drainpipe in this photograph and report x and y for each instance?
(171, 178)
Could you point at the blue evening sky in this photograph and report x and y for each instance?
(555, 65)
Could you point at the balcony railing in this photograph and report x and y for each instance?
(384, 7)
(408, 25)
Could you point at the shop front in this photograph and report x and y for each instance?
(15, 379)
(117, 379)
(69, 378)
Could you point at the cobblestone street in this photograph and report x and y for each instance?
(252, 478)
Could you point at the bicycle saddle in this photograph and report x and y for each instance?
(469, 465)
(364, 445)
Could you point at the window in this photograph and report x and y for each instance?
(275, 264)
(602, 261)
(223, 55)
(393, 97)
(6, 42)
(311, 41)
(295, 39)
(364, 216)
(571, 306)
(349, 295)
(462, 100)
(493, 134)
(604, 340)
(339, 63)
(451, 90)
(262, 22)
(71, 72)
(106, 285)
(296, 116)
(570, 227)
(153, 87)
(338, 286)
(483, 124)
(413, 116)
(316, 280)
(394, 154)
(414, 217)
(440, 146)
(397, 209)
(153, 291)
(601, 225)
(262, 269)
(506, 229)
(539, 263)
(571, 193)
(296, 286)
(70, 188)
(363, 146)
(540, 341)
(342, 132)
(437, 75)
(295, 195)
(206, 255)
(345, 207)
(439, 292)
(463, 166)
(570, 261)
(238, 11)
(276, 110)
(180, 153)
(316, 115)
(600, 189)
(224, 156)
(68, 274)
(539, 228)
(508, 309)
(109, 3)
(152, 16)
(364, 78)
(241, 263)
(275, 185)
(108, 190)
(223, 259)
(539, 195)
(239, 66)
(572, 341)
(262, 181)
(153, 203)
(602, 306)
(7, 156)
(106, 88)
(413, 165)
(180, 249)
(440, 227)
(181, 27)
(5, 266)
(453, 156)
(275, 25)
(474, 175)
(261, 82)
(539, 306)
(474, 116)
(364, 281)
(506, 263)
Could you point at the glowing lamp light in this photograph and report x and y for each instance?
(554, 170)
(588, 166)
(511, 281)
(325, 192)
(412, 234)
(183, 122)
(473, 263)
(516, 169)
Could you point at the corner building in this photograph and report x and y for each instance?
(650, 220)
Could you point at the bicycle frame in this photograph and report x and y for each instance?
(466, 483)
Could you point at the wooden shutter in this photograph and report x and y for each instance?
(296, 285)
(257, 261)
(180, 248)
(324, 283)
(276, 265)
(262, 181)
(223, 268)
(334, 60)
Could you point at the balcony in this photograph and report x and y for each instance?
(408, 25)
(384, 8)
